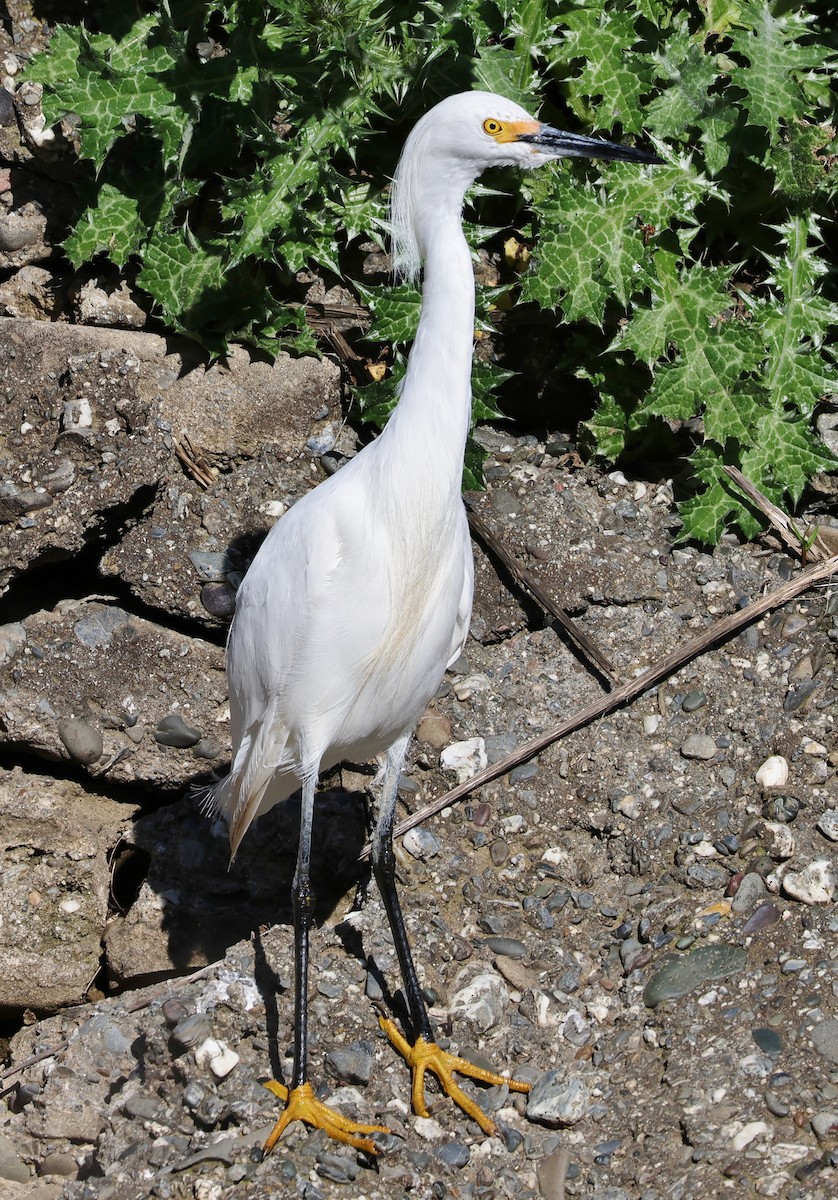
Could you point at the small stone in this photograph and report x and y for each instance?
(700, 746)
(435, 730)
(421, 843)
(466, 758)
(218, 599)
(191, 1030)
(815, 884)
(218, 1056)
(351, 1064)
(506, 946)
(774, 772)
(59, 1164)
(825, 1038)
(82, 741)
(776, 1106)
(825, 1125)
(482, 1001)
(212, 566)
(767, 914)
(828, 825)
(454, 1154)
(556, 1100)
(748, 1133)
(693, 701)
(174, 731)
(768, 1040)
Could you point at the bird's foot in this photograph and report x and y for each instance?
(425, 1056)
(301, 1104)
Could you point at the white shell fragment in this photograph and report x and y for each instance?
(774, 772)
(466, 758)
(217, 1056)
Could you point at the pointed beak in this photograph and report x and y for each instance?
(561, 144)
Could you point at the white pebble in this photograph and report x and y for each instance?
(69, 906)
(774, 772)
(78, 414)
(466, 687)
(217, 1056)
(466, 758)
(816, 749)
(748, 1133)
(428, 1128)
(815, 884)
(274, 508)
(650, 723)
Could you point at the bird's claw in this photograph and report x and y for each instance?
(301, 1104)
(425, 1056)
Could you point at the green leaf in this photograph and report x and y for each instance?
(113, 226)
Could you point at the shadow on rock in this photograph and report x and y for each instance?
(193, 904)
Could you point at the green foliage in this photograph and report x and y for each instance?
(229, 145)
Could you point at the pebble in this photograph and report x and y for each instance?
(352, 1064)
(768, 1040)
(212, 565)
(338, 1168)
(435, 730)
(506, 946)
(218, 599)
(775, 1105)
(825, 1125)
(96, 629)
(454, 1154)
(749, 1133)
(693, 701)
(421, 843)
(825, 1038)
(482, 1001)
(465, 758)
(683, 974)
(12, 640)
(191, 1030)
(700, 746)
(82, 741)
(774, 772)
(815, 884)
(220, 1058)
(174, 731)
(767, 914)
(59, 1163)
(828, 825)
(556, 1100)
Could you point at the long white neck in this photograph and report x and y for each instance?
(434, 411)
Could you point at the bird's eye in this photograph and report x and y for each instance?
(493, 127)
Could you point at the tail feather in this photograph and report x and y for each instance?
(262, 752)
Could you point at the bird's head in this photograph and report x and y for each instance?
(463, 136)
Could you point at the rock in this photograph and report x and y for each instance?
(217, 1056)
(750, 891)
(172, 730)
(59, 1163)
(466, 758)
(12, 1168)
(81, 739)
(556, 1100)
(435, 729)
(825, 1038)
(774, 772)
(54, 888)
(683, 974)
(483, 1001)
(700, 746)
(421, 843)
(827, 823)
(815, 884)
(352, 1064)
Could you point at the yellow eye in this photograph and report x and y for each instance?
(493, 127)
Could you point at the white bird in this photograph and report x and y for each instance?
(360, 595)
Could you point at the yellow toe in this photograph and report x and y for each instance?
(425, 1056)
(301, 1104)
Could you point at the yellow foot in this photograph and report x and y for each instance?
(301, 1104)
(427, 1056)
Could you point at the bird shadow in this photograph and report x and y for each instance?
(180, 904)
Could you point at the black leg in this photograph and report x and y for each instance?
(384, 869)
(302, 902)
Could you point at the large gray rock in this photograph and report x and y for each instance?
(54, 888)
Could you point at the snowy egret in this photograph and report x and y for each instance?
(361, 594)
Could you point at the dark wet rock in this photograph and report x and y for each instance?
(172, 730)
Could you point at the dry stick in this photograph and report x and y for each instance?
(526, 580)
(635, 687)
(785, 527)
